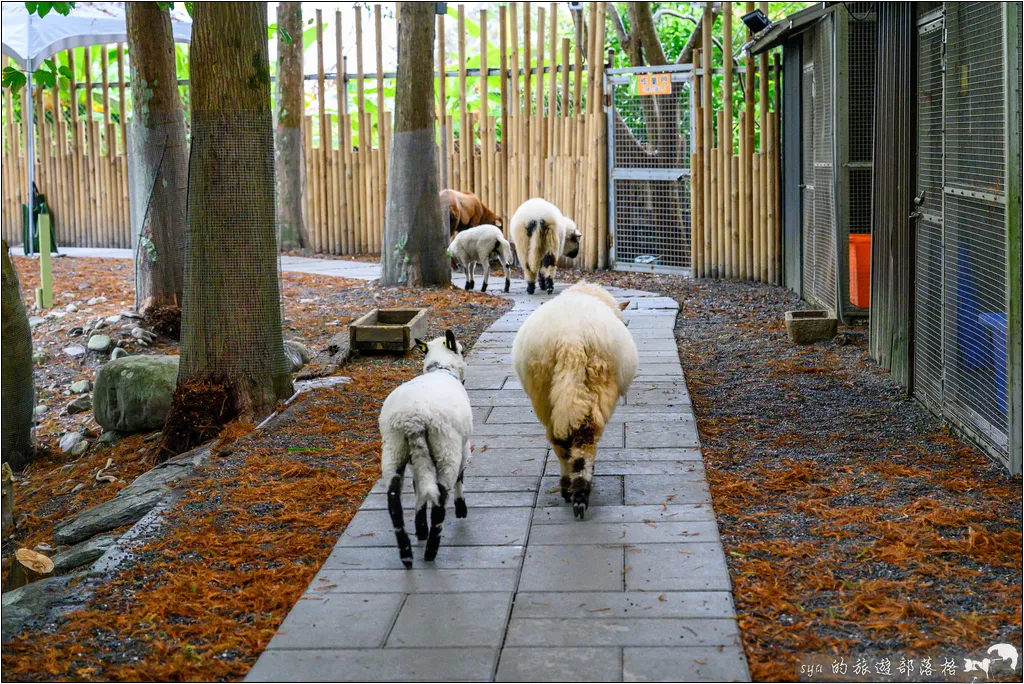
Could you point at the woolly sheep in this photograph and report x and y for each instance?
(542, 234)
(478, 246)
(575, 358)
(466, 210)
(426, 423)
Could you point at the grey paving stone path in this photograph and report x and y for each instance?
(520, 591)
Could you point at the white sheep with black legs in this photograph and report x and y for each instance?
(426, 423)
(542, 235)
(575, 357)
(478, 246)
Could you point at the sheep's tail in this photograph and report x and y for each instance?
(579, 383)
(423, 469)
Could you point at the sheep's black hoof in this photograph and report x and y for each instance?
(531, 288)
(483, 288)
(579, 510)
(508, 284)
(566, 494)
(407, 562)
(580, 502)
(469, 284)
(461, 511)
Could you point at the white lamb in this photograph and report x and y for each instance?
(575, 358)
(478, 246)
(426, 423)
(542, 235)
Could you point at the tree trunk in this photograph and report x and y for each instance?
(160, 159)
(288, 137)
(415, 235)
(28, 566)
(232, 353)
(19, 447)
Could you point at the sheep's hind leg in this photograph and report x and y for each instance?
(397, 517)
(547, 267)
(508, 281)
(531, 279)
(561, 449)
(436, 524)
(581, 463)
(487, 272)
(460, 502)
(421, 516)
(469, 268)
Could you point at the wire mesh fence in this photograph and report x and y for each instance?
(650, 173)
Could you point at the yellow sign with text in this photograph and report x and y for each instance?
(654, 84)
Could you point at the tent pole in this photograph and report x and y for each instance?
(30, 163)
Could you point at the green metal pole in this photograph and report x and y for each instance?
(44, 293)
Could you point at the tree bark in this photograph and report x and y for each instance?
(160, 159)
(231, 337)
(415, 235)
(288, 134)
(18, 444)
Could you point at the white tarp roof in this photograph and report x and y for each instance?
(31, 39)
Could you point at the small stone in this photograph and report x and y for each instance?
(307, 300)
(99, 324)
(80, 448)
(36, 321)
(143, 335)
(130, 314)
(71, 308)
(78, 487)
(44, 549)
(40, 411)
(96, 300)
(79, 405)
(75, 350)
(113, 320)
(39, 357)
(334, 322)
(69, 441)
(109, 437)
(79, 387)
(297, 354)
(153, 437)
(57, 314)
(99, 343)
(118, 352)
(84, 286)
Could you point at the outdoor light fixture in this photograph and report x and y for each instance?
(575, 6)
(756, 21)
(440, 8)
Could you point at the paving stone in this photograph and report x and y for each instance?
(644, 393)
(665, 343)
(624, 604)
(379, 500)
(481, 413)
(607, 491)
(485, 381)
(626, 514)
(667, 489)
(338, 621)
(515, 429)
(670, 435)
(652, 413)
(646, 322)
(506, 398)
(484, 526)
(523, 483)
(622, 632)
(448, 557)
(662, 369)
(559, 665)
(691, 664)
(365, 665)
(686, 454)
(440, 620)
(585, 532)
(510, 462)
(693, 469)
(572, 568)
(421, 579)
(697, 566)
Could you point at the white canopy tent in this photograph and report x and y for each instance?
(30, 39)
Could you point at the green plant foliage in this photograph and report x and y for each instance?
(43, 8)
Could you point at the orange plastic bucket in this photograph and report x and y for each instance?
(860, 270)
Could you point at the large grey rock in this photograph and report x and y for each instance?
(99, 343)
(133, 394)
(82, 553)
(297, 354)
(79, 387)
(132, 502)
(118, 352)
(79, 405)
(30, 601)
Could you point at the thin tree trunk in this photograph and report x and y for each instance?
(19, 447)
(288, 135)
(416, 236)
(160, 159)
(231, 338)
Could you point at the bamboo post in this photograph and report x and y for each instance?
(776, 171)
(712, 238)
(516, 122)
(763, 187)
(486, 188)
(742, 185)
(465, 149)
(524, 138)
(105, 157)
(723, 199)
(442, 102)
(366, 230)
(89, 152)
(123, 105)
(322, 228)
(503, 208)
(553, 80)
(748, 160)
(537, 159)
(726, 135)
(772, 195)
(707, 65)
(75, 207)
(382, 141)
(697, 177)
(340, 167)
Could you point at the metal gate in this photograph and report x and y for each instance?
(960, 322)
(649, 170)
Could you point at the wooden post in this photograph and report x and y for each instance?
(776, 229)
(697, 177)
(340, 167)
(712, 238)
(707, 66)
(553, 81)
(486, 188)
(748, 161)
(465, 128)
(742, 185)
(525, 149)
(503, 208)
(771, 196)
(537, 130)
(763, 187)
(442, 104)
(380, 163)
(516, 122)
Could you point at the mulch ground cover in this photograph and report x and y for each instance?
(854, 523)
(255, 522)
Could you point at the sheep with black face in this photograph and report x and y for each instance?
(426, 423)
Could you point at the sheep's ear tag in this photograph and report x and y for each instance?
(421, 345)
(623, 305)
(449, 340)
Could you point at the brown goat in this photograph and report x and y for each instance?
(465, 210)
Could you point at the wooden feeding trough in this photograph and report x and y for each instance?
(388, 330)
